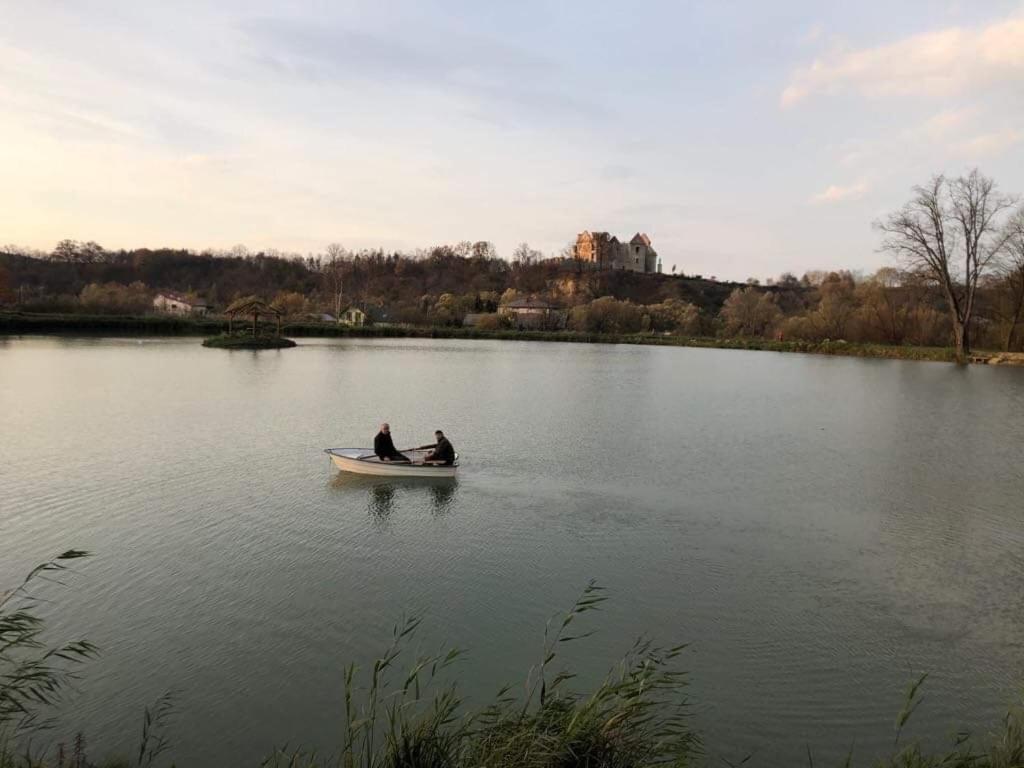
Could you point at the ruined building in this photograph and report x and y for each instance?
(606, 252)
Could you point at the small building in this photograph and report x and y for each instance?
(353, 316)
(533, 314)
(179, 304)
(365, 314)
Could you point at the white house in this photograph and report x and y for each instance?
(353, 316)
(175, 303)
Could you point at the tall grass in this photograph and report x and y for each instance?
(404, 710)
(413, 716)
(36, 677)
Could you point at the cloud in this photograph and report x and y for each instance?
(316, 53)
(945, 62)
(496, 82)
(946, 122)
(838, 194)
(990, 143)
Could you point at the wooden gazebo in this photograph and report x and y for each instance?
(252, 305)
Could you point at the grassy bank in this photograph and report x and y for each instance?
(157, 325)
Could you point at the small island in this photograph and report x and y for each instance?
(245, 340)
(253, 337)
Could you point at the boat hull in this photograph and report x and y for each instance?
(361, 461)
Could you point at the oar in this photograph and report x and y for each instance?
(403, 450)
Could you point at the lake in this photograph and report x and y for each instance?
(820, 530)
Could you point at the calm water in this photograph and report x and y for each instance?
(820, 530)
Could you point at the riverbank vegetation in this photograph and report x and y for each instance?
(957, 281)
(18, 323)
(405, 710)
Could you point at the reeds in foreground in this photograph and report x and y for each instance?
(405, 711)
(32, 676)
(416, 719)
(35, 678)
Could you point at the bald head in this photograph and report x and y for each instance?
(385, 427)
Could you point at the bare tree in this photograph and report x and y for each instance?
(1012, 273)
(66, 250)
(749, 312)
(333, 274)
(484, 249)
(836, 305)
(951, 232)
(91, 252)
(571, 253)
(524, 255)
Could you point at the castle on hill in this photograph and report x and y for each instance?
(607, 252)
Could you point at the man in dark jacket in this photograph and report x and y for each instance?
(384, 446)
(441, 452)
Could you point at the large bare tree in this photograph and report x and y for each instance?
(952, 232)
(1012, 269)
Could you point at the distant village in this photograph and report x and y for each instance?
(594, 250)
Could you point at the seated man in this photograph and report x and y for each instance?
(441, 452)
(384, 447)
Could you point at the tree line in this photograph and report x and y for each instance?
(957, 280)
(432, 286)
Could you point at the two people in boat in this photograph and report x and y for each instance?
(441, 451)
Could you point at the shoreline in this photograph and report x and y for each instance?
(15, 324)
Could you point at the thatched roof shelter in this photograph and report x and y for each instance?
(255, 306)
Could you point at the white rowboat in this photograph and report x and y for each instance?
(363, 461)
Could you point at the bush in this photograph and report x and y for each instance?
(750, 312)
(607, 315)
(494, 322)
(675, 316)
(116, 299)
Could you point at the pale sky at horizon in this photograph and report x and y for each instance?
(747, 139)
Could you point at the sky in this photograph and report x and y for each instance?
(746, 138)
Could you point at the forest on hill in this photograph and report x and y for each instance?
(438, 285)
(959, 244)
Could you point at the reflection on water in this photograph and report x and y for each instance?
(801, 521)
(384, 496)
(382, 501)
(444, 495)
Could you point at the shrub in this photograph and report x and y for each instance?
(494, 322)
(115, 298)
(749, 312)
(607, 315)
